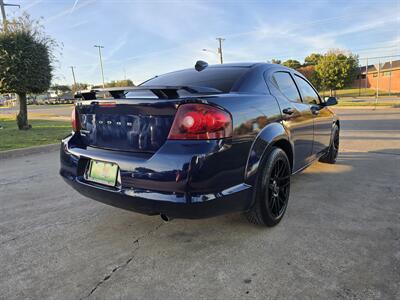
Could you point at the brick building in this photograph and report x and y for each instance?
(388, 78)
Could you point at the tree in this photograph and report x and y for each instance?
(61, 88)
(79, 87)
(312, 59)
(310, 73)
(25, 62)
(336, 70)
(276, 61)
(292, 63)
(119, 83)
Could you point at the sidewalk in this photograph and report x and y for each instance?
(369, 98)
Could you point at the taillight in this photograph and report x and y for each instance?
(200, 122)
(75, 120)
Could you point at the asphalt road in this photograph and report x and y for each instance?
(339, 239)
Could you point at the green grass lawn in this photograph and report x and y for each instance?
(42, 133)
(355, 92)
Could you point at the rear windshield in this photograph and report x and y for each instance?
(221, 79)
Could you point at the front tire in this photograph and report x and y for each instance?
(272, 190)
(333, 151)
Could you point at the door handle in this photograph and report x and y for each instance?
(288, 111)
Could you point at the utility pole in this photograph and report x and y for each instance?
(73, 74)
(3, 12)
(220, 40)
(377, 83)
(101, 64)
(366, 75)
(390, 78)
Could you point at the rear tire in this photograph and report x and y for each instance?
(272, 190)
(333, 150)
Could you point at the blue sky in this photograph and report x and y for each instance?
(146, 38)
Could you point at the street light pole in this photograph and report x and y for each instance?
(101, 63)
(208, 50)
(220, 40)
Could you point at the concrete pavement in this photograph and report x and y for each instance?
(339, 239)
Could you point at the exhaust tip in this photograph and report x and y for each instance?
(165, 218)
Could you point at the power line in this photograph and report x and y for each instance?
(376, 57)
(288, 55)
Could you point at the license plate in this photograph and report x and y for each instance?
(103, 172)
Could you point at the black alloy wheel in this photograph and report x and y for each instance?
(272, 189)
(278, 195)
(333, 150)
(335, 144)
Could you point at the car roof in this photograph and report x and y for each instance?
(226, 65)
(247, 65)
(246, 83)
(260, 66)
(235, 65)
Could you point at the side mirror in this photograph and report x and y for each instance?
(329, 101)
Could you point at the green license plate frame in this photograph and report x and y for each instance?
(103, 172)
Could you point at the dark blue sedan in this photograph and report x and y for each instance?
(200, 142)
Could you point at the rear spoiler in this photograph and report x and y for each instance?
(162, 92)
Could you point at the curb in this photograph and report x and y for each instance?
(28, 151)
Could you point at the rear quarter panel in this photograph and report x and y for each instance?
(252, 116)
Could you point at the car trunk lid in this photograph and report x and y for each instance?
(136, 119)
(126, 125)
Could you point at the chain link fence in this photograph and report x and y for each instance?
(378, 77)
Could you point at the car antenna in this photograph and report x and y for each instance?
(200, 65)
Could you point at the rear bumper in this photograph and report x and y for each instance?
(173, 192)
(172, 205)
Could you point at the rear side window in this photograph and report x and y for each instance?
(220, 78)
(286, 85)
(309, 95)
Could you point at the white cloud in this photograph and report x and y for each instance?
(73, 7)
(157, 37)
(80, 23)
(31, 4)
(68, 11)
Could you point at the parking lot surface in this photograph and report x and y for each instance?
(339, 239)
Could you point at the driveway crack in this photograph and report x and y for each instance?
(121, 266)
